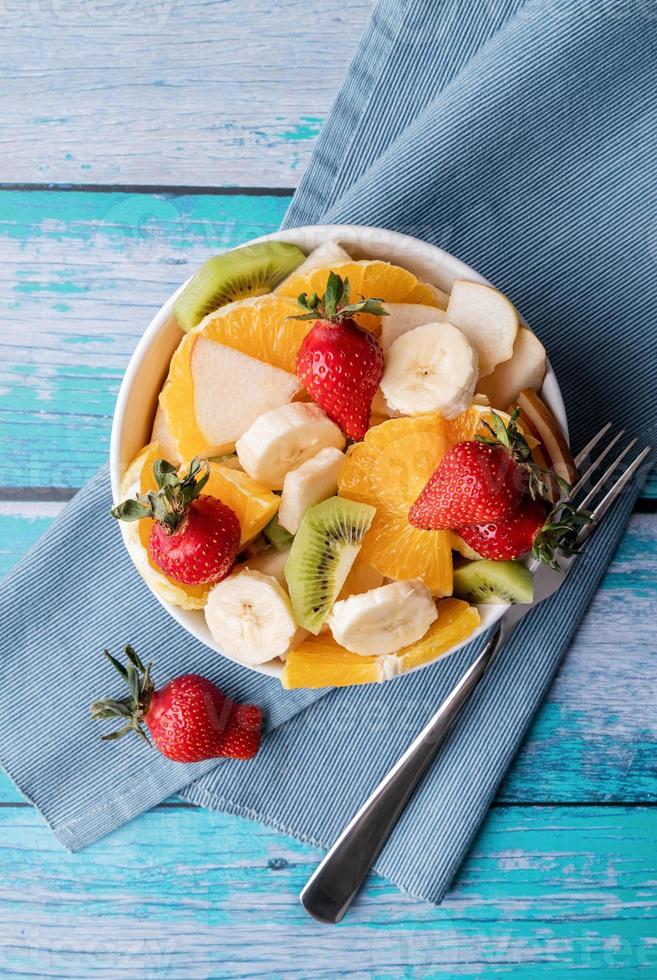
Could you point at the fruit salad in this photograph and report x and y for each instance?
(346, 462)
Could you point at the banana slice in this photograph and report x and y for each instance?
(250, 616)
(283, 439)
(431, 369)
(313, 481)
(403, 317)
(383, 620)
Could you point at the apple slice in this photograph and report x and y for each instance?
(403, 317)
(537, 419)
(487, 318)
(232, 390)
(524, 369)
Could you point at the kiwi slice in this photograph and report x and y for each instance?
(250, 271)
(324, 549)
(486, 581)
(277, 535)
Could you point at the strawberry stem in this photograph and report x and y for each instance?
(509, 435)
(559, 534)
(168, 504)
(130, 710)
(334, 305)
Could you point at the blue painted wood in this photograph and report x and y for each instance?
(84, 273)
(545, 893)
(162, 92)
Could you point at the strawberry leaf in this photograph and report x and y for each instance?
(334, 305)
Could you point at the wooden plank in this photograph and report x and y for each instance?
(594, 739)
(82, 275)
(170, 93)
(545, 893)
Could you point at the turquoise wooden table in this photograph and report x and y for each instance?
(138, 138)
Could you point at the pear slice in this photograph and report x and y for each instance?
(403, 317)
(330, 253)
(524, 369)
(487, 318)
(232, 390)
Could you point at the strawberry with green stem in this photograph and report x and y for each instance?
(478, 481)
(195, 537)
(189, 719)
(339, 363)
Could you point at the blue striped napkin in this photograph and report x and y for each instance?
(521, 137)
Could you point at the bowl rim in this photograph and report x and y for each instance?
(428, 260)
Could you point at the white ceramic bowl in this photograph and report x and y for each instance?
(148, 367)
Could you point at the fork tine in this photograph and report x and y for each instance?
(608, 473)
(581, 482)
(611, 495)
(584, 453)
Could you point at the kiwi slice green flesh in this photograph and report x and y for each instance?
(277, 535)
(250, 271)
(486, 581)
(324, 549)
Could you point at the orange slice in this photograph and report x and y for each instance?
(470, 423)
(254, 504)
(429, 295)
(388, 470)
(260, 328)
(321, 662)
(369, 278)
(457, 620)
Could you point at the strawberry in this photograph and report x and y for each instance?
(527, 528)
(195, 538)
(510, 536)
(479, 481)
(189, 719)
(340, 364)
(473, 483)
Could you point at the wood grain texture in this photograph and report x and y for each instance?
(83, 274)
(163, 92)
(595, 737)
(545, 892)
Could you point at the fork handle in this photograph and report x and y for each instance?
(338, 878)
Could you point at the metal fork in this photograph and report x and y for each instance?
(338, 878)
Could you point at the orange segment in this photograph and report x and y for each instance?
(369, 278)
(456, 622)
(254, 504)
(470, 423)
(388, 470)
(177, 402)
(428, 295)
(260, 328)
(321, 662)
